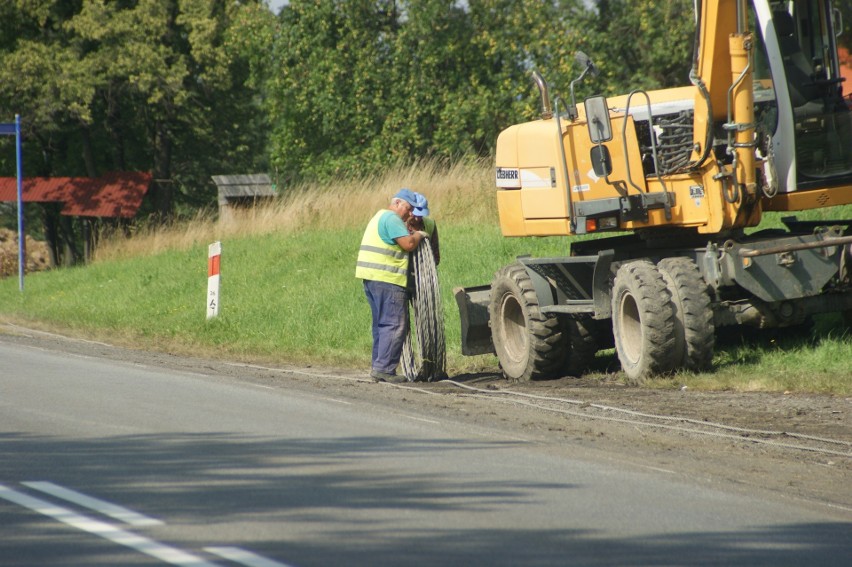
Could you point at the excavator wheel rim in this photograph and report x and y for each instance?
(514, 327)
(631, 328)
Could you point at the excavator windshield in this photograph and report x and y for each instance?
(800, 44)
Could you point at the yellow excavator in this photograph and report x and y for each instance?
(678, 176)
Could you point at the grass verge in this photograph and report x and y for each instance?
(289, 293)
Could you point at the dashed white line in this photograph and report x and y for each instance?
(115, 511)
(421, 419)
(327, 399)
(244, 557)
(335, 400)
(145, 545)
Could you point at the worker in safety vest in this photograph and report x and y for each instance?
(383, 265)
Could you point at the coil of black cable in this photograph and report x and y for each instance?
(424, 355)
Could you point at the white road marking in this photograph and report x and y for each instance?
(335, 400)
(421, 419)
(145, 545)
(327, 399)
(114, 511)
(657, 469)
(244, 557)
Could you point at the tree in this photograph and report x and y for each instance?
(361, 84)
(147, 85)
(39, 80)
(131, 84)
(517, 37)
(326, 92)
(165, 72)
(641, 44)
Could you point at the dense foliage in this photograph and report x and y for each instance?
(190, 88)
(186, 89)
(129, 85)
(355, 84)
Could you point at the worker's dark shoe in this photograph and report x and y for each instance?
(381, 376)
(385, 377)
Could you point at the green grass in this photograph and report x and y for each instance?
(290, 295)
(285, 297)
(809, 359)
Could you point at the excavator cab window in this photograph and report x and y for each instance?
(815, 111)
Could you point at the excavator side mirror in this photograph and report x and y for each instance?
(597, 119)
(601, 160)
(586, 63)
(588, 67)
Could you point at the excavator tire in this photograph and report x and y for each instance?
(695, 335)
(643, 321)
(583, 340)
(530, 344)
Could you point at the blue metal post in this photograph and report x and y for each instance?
(21, 240)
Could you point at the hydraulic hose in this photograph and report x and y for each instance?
(424, 355)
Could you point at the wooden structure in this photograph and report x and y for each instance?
(241, 191)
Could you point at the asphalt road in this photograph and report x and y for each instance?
(106, 462)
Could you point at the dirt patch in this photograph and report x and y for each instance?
(799, 446)
(37, 254)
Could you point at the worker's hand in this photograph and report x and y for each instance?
(423, 234)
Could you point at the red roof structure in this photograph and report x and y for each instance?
(117, 194)
(36, 189)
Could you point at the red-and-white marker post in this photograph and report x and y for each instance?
(214, 255)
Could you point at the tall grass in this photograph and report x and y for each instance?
(289, 293)
(459, 191)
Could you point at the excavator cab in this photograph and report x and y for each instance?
(802, 99)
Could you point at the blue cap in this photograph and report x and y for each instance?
(408, 196)
(421, 206)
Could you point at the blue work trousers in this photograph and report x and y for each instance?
(389, 305)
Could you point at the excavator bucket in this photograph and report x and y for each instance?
(473, 312)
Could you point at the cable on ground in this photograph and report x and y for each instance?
(736, 433)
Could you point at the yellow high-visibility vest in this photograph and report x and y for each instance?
(378, 260)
